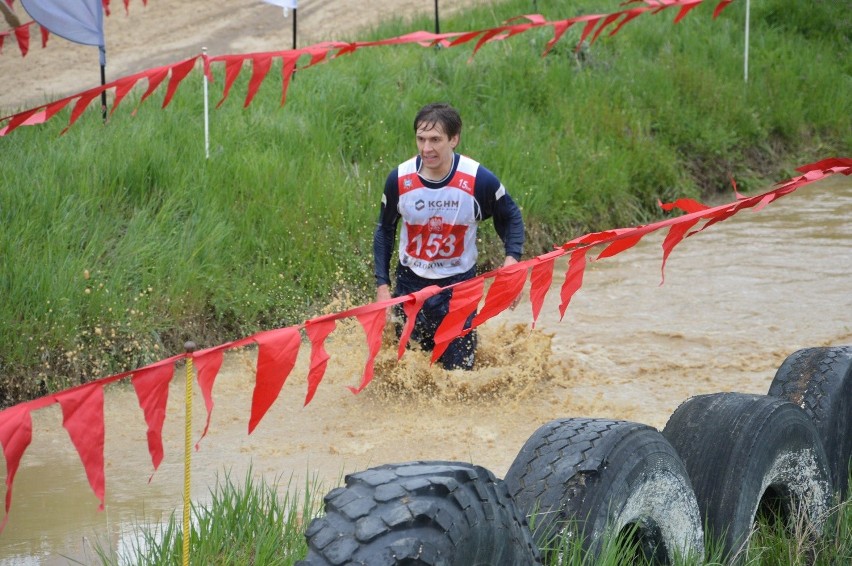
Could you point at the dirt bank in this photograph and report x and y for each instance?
(168, 31)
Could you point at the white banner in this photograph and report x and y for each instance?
(283, 3)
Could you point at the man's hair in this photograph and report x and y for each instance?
(439, 113)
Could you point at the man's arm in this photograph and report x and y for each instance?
(495, 202)
(509, 224)
(384, 237)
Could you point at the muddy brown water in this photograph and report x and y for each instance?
(737, 299)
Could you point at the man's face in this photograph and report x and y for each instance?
(436, 150)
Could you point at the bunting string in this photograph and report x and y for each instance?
(21, 33)
(82, 406)
(260, 63)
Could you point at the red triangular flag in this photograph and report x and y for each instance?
(411, 308)
(687, 205)
(16, 433)
(288, 66)
(179, 72)
(317, 330)
(152, 389)
(559, 29)
(276, 356)
(22, 34)
(540, 280)
(207, 364)
(685, 9)
(620, 245)
(373, 323)
(155, 77)
(507, 285)
(606, 22)
(838, 163)
(721, 6)
(260, 68)
(463, 303)
(591, 22)
(83, 418)
(673, 238)
(233, 66)
(85, 99)
(122, 88)
(573, 278)
(629, 15)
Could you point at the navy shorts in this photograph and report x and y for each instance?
(461, 351)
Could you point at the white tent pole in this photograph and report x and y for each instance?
(745, 55)
(206, 107)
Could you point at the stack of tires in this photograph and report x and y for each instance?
(726, 458)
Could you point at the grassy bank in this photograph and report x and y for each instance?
(121, 242)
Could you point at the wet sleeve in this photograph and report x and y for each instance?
(384, 236)
(495, 202)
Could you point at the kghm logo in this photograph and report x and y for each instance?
(420, 205)
(443, 204)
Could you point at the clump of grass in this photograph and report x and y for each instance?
(252, 523)
(261, 523)
(795, 541)
(775, 539)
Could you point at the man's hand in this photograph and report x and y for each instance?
(383, 294)
(506, 263)
(509, 261)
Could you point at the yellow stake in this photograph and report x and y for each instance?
(187, 451)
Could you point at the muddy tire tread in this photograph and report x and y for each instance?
(420, 513)
(582, 474)
(819, 380)
(737, 448)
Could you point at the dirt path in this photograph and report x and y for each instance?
(168, 31)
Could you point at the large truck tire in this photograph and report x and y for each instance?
(420, 514)
(819, 380)
(750, 456)
(598, 478)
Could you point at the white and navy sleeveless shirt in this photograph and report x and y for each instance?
(438, 236)
(440, 218)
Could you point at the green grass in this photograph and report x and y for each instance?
(774, 540)
(121, 242)
(254, 523)
(796, 543)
